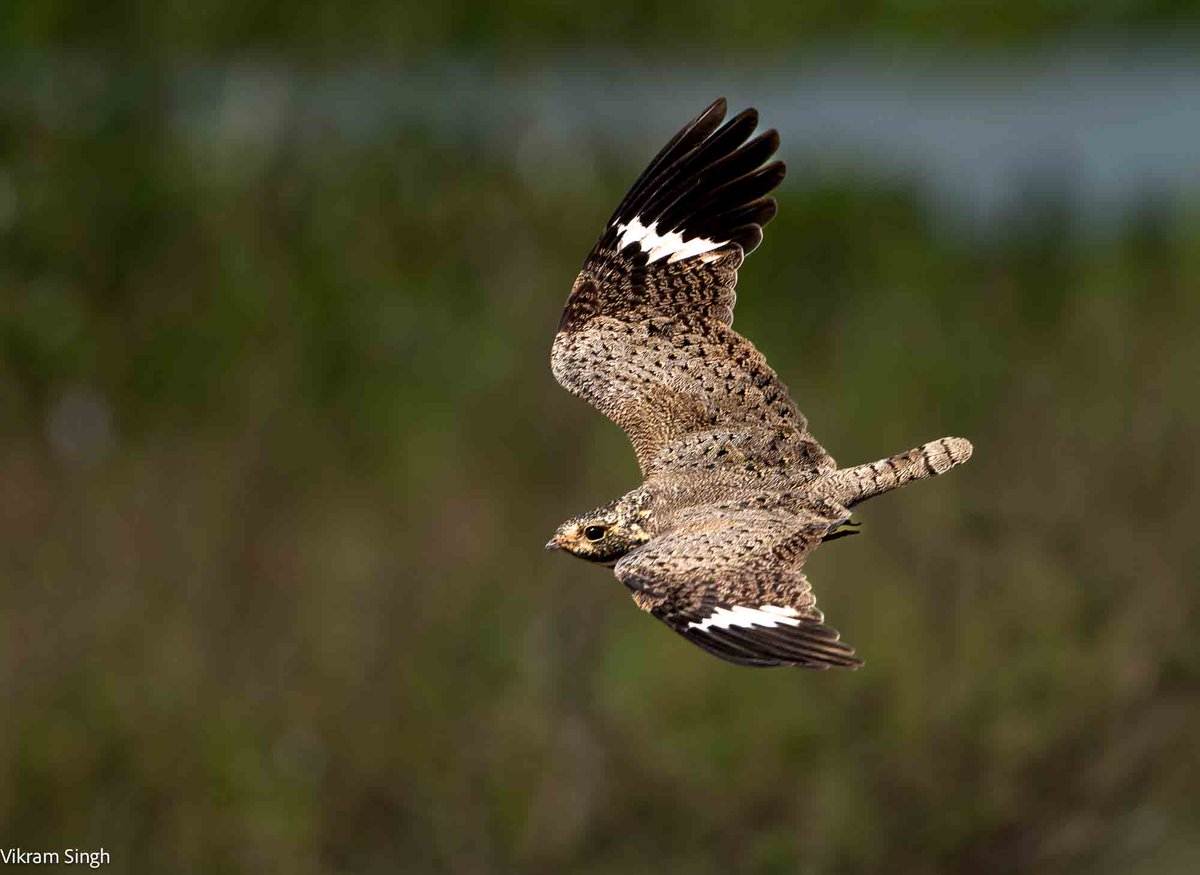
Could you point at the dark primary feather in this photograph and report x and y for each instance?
(693, 133)
(684, 173)
(807, 645)
(698, 182)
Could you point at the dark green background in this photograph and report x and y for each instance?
(279, 447)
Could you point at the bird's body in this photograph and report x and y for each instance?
(736, 490)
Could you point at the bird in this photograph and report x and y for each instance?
(736, 491)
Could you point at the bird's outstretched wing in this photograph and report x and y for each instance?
(646, 334)
(728, 579)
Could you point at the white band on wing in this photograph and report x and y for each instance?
(740, 615)
(662, 245)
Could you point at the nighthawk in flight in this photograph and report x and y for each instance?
(736, 492)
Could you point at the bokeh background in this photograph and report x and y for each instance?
(279, 443)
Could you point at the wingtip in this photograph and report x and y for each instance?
(694, 196)
(747, 117)
(848, 663)
(712, 116)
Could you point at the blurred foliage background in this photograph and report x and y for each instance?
(279, 448)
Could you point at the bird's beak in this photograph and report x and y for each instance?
(553, 544)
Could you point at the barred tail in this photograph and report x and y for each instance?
(849, 486)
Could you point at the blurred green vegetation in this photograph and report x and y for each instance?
(322, 32)
(280, 447)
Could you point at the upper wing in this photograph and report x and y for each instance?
(728, 579)
(645, 336)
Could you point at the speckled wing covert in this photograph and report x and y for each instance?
(646, 334)
(728, 579)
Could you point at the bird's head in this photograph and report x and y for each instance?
(603, 535)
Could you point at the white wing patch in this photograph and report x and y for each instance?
(740, 615)
(662, 245)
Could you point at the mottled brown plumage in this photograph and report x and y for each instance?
(736, 490)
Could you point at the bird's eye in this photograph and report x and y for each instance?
(594, 533)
